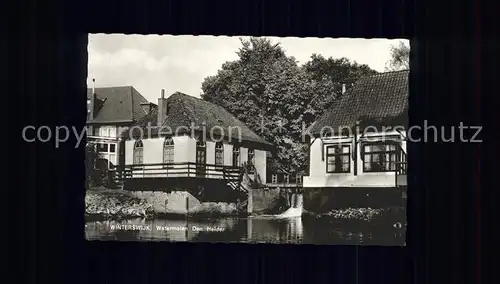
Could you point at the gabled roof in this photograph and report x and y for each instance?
(185, 110)
(380, 99)
(120, 104)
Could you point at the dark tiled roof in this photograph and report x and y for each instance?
(185, 110)
(120, 104)
(381, 98)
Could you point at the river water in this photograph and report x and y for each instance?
(295, 230)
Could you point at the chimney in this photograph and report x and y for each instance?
(147, 107)
(343, 89)
(162, 108)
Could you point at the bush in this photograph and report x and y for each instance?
(95, 177)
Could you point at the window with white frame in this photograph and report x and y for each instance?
(380, 156)
(138, 152)
(168, 151)
(89, 105)
(104, 132)
(236, 156)
(219, 154)
(102, 148)
(111, 160)
(112, 132)
(251, 159)
(96, 130)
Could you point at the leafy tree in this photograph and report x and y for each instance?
(274, 96)
(338, 71)
(266, 90)
(400, 57)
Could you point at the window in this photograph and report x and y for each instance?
(251, 159)
(112, 132)
(112, 161)
(219, 153)
(274, 178)
(201, 157)
(138, 152)
(102, 147)
(379, 157)
(104, 132)
(251, 156)
(168, 151)
(236, 156)
(112, 148)
(338, 159)
(96, 130)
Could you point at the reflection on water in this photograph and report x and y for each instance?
(296, 230)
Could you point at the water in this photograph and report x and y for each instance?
(294, 211)
(288, 227)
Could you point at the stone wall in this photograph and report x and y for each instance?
(265, 201)
(321, 200)
(175, 202)
(182, 202)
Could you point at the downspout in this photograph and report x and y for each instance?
(355, 153)
(404, 139)
(309, 157)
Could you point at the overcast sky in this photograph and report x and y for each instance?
(180, 63)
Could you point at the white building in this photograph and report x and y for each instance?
(360, 142)
(187, 137)
(109, 110)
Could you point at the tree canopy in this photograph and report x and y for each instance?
(400, 57)
(276, 97)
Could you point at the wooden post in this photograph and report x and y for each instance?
(355, 150)
(250, 201)
(249, 229)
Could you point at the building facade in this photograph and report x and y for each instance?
(110, 110)
(359, 146)
(189, 137)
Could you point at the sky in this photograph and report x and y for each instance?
(150, 63)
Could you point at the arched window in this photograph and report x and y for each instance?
(236, 156)
(251, 156)
(219, 154)
(200, 144)
(201, 158)
(138, 152)
(168, 151)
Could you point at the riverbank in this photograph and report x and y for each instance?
(362, 214)
(105, 204)
(393, 216)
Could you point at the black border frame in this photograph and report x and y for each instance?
(47, 67)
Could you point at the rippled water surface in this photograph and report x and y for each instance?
(296, 230)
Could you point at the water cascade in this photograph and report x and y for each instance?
(294, 211)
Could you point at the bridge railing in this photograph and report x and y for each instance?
(176, 170)
(284, 180)
(401, 167)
